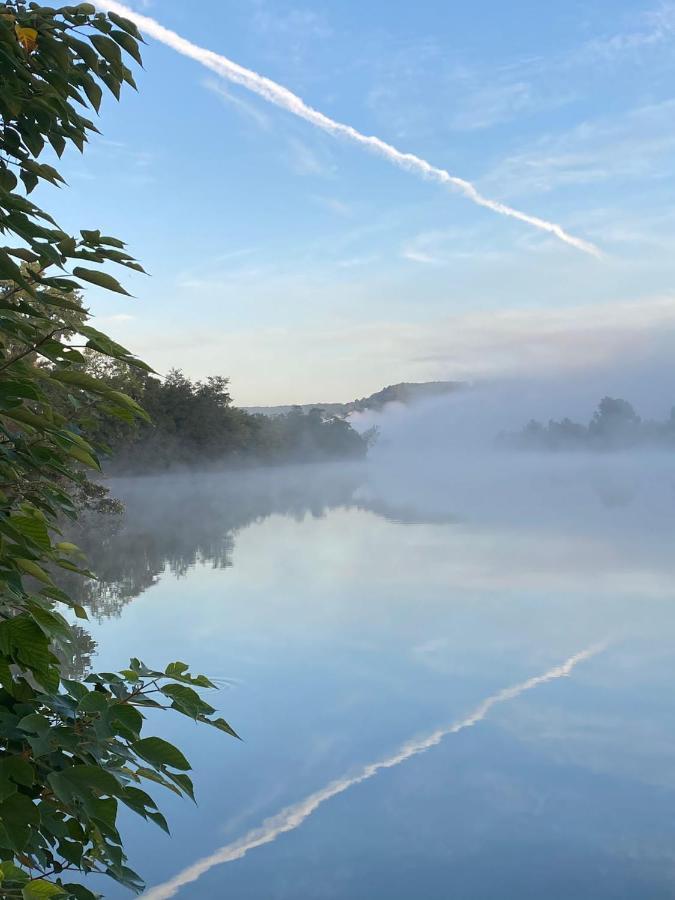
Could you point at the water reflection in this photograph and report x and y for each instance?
(291, 818)
(537, 521)
(173, 523)
(355, 608)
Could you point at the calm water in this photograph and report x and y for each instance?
(452, 680)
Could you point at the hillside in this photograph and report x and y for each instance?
(405, 392)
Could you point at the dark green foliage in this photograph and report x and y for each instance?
(70, 751)
(193, 423)
(615, 426)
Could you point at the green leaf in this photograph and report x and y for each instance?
(186, 700)
(161, 753)
(127, 43)
(39, 890)
(222, 725)
(18, 814)
(34, 570)
(33, 528)
(128, 716)
(94, 701)
(184, 782)
(100, 279)
(80, 780)
(85, 458)
(108, 49)
(126, 25)
(80, 892)
(10, 872)
(34, 724)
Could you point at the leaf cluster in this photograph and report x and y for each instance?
(71, 752)
(74, 756)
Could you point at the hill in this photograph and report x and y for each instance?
(405, 392)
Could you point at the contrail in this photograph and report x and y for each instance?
(292, 817)
(281, 96)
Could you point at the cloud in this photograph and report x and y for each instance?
(549, 341)
(419, 256)
(493, 104)
(441, 247)
(638, 145)
(651, 28)
(297, 25)
(284, 98)
(352, 262)
(334, 205)
(294, 816)
(117, 318)
(353, 359)
(247, 109)
(305, 160)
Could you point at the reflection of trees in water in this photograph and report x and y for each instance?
(76, 664)
(173, 523)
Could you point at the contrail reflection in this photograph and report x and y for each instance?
(293, 816)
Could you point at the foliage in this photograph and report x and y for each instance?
(615, 426)
(70, 751)
(194, 423)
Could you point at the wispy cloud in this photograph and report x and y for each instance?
(117, 318)
(306, 160)
(283, 97)
(294, 816)
(242, 106)
(547, 341)
(650, 28)
(639, 144)
(334, 205)
(230, 255)
(501, 343)
(442, 247)
(419, 256)
(352, 262)
(295, 25)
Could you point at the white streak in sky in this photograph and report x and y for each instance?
(293, 816)
(281, 96)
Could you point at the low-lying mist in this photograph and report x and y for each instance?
(448, 454)
(603, 514)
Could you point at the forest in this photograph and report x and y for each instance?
(615, 425)
(195, 423)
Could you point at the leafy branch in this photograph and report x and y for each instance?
(71, 752)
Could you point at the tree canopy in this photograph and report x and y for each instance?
(195, 424)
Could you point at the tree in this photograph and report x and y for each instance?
(615, 423)
(70, 750)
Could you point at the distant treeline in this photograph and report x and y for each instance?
(404, 392)
(195, 424)
(615, 426)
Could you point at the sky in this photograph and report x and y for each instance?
(308, 269)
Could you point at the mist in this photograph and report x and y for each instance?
(435, 580)
(442, 572)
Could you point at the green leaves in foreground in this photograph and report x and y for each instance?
(73, 757)
(71, 753)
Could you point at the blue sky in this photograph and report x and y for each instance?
(307, 269)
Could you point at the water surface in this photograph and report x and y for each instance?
(452, 678)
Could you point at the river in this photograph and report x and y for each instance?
(452, 679)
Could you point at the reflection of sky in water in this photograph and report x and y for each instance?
(349, 634)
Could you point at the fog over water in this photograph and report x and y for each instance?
(360, 615)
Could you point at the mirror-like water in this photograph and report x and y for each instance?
(455, 679)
